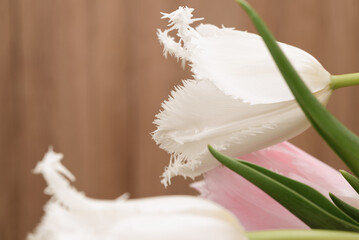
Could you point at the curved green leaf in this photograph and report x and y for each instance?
(339, 138)
(348, 209)
(309, 212)
(306, 191)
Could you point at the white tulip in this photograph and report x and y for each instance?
(71, 215)
(238, 101)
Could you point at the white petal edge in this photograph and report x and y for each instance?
(197, 114)
(237, 62)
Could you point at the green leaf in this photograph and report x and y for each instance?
(306, 191)
(315, 216)
(302, 235)
(348, 209)
(352, 180)
(339, 138)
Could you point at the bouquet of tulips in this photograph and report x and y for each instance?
(249, 95)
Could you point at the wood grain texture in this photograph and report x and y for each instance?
(88, 77)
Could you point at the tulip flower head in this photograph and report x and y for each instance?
(256, 209)
(238, 101)
(71, 215)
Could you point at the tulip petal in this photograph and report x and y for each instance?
(70, 215)
(254, 208)
(198, 114)
(231, 59)
(258, 211)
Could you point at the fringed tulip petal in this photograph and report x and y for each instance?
(238, 102)
(237, 62)
(198, 114)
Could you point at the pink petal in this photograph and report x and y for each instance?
(254, 208)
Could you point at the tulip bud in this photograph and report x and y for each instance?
(238, 101)
(70, 215)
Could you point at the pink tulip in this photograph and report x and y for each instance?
(254, 208)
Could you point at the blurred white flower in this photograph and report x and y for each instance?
(238, 101)
(70, 215)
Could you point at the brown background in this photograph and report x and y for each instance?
(88, 77)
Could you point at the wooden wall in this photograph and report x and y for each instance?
(87, 77)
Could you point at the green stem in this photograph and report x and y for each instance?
(345, 80)
(302, 235)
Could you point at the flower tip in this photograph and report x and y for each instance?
(211, 149)
(344, 173)
(217, 155)
(247, 8)
(243, 3)
(334, 198)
